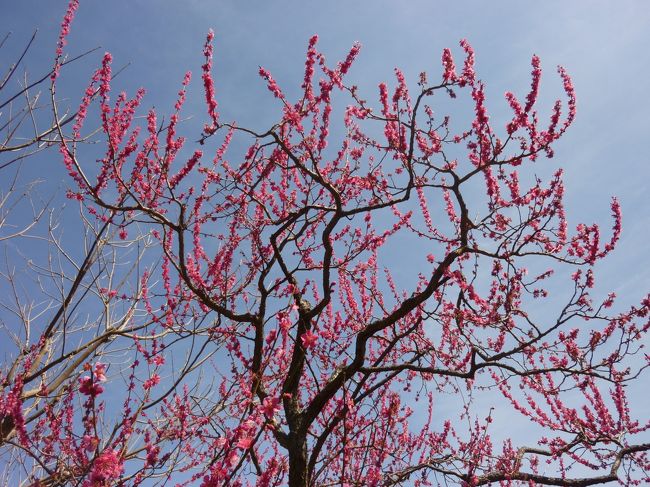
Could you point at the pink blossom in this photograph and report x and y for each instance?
(468, 76)
(100, 372)
(208, 82)
(151, 381)
(63, 34)
(345, 65)
(233, 458)
(185, 170)
(89, 385)
(271, 83)
(270, 406)
(245, 442)
(309, 69)
(534, 84)
(449, 75)
(106, 467)
(89, 388)
(309, 339)
(89, 442)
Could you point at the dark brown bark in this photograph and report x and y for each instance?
(298, 472)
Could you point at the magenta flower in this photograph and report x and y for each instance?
(309, 339)
(106, 467)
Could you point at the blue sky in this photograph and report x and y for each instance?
(602, 44)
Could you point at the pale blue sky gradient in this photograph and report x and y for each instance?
(602, 44)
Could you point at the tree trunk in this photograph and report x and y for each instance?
(298, 474)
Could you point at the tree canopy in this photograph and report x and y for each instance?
(330, 300)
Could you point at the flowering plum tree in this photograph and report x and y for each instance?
(274, 339)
